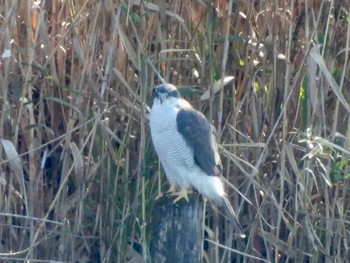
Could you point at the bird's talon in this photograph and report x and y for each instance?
(160, 195)
(183, 193)
(172, 189)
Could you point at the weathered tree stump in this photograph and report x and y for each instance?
(177, 230)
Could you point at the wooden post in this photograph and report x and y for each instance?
(177, 230)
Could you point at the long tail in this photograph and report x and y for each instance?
(233, 217)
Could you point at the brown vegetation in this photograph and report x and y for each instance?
(78, 170)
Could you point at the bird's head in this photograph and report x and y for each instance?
(165, 92)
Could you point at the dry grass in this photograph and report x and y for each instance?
(78, 170)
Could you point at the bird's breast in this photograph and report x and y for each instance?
(162, 118)
(168, 142)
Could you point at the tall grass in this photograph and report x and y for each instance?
(79, 175)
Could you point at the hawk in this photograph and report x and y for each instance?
(185, 143)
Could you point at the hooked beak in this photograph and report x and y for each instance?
(161, 96)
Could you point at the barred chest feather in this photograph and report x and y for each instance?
(174, 154)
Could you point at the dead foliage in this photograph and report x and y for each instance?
(78, 171)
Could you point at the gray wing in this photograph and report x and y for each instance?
(198, 134)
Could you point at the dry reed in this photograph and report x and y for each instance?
(78, 171)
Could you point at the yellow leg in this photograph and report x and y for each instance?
(183, 193)
(160, 195)
(172, 189)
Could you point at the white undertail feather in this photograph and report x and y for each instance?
(212, 188)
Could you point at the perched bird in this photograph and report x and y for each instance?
(185, 143)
